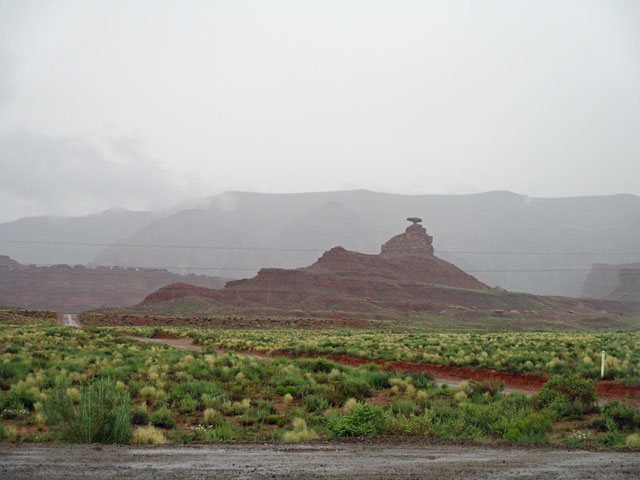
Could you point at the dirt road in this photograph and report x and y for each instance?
(69, 320)
(380, 458)
(526, 383)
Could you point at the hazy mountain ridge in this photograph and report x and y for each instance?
(613, 282)
(104, 227)
(506, 231)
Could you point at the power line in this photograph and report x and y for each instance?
(289, 249)
(144, 245)
(247, 269)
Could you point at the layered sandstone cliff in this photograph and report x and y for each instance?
(76, 288)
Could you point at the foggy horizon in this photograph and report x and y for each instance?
(143, 106)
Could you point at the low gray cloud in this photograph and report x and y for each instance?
(401, 97)
(73, 175)
(8, 86)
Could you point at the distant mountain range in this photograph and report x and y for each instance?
(537, 245)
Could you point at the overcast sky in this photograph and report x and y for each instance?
(143, 104)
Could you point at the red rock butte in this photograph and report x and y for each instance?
(414, 241)
(406, 275)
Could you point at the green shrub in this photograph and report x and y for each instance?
(410, 425)
(102, 415)
(162, 418)
(198, 388)
(625, 418)
(422, 380)
(188, 404)
(493, 418)
(139, 416)
(265, 407)
(290, 389)
(8, 433)
(452, 422)
(490, 387)
(12, 372)
(315, 403)
(603, 424)
(246, 419)
(223, 433)
(237, 392)
(376, 379)
(611, 439)
(212, 417)
(18, 398)
(198, 370)
(567, 396)
(362, 420)
(403, 407)
(349, 387)
(316, 365)
(275, 420)
(530, 429)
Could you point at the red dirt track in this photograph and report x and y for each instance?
(526, 382)
(519, 381)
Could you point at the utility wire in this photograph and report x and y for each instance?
(144, 245)
(354, 270)
(282, 249)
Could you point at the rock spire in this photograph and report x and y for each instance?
(414, 241)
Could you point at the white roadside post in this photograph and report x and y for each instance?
(602, 366)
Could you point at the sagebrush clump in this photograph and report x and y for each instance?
(148, 435)
(300, 432)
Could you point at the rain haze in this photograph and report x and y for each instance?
(145, 104)
(233, 232)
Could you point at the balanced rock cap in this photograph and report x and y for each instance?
(414, 241)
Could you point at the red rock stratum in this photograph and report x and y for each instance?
(406, 277)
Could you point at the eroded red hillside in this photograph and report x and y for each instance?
(406, 277)
(77, 288)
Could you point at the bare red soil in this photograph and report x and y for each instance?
(524, 381)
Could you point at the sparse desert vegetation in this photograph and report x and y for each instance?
(545, 353)
(97, 385)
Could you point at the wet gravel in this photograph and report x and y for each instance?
(380, 458)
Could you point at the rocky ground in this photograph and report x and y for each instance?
(380, 458)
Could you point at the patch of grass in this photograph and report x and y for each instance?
(162, 418)
(633, 441)
(300, 432)
(101, 415)
(363, 419)
(148, 435)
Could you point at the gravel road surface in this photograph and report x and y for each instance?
(379, 458)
